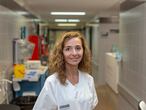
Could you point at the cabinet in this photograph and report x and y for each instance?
(28, 87)
(112, 71)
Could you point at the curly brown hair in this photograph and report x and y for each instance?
(56, 59)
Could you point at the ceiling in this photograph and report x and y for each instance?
(93, 8)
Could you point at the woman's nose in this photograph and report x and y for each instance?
(74, 52)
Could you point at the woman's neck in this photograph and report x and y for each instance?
(72, 74)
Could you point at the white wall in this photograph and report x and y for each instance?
(133, 46)
(87, 36)
(105, 45)
(95, 58)
(100, 45)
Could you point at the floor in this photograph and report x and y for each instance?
(107, 98)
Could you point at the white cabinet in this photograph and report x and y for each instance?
(112, 71)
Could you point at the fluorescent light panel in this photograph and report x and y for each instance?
(68, 13)
(67, 20)
(73, 20)
(60, 20)
(36, 20)
(22, 13)
(66, 24)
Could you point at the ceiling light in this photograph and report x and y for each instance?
(68, 13)
(67, 20)
(36, 20)
(66, 24)
(97, 20)
(22, 13)
(60, 20)
(73, 20)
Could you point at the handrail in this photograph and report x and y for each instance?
(6, 80)
(5, 88)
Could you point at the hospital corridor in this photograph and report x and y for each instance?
(44, 55)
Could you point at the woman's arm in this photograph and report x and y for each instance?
(46, 98)
(95, 99)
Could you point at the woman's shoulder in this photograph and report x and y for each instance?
(52, 78)
(86, 75)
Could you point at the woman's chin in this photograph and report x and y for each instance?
(74, 63)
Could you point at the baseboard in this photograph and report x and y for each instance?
(127, 95)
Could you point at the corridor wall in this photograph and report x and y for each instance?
(133, 43)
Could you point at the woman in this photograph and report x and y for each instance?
(70, 87)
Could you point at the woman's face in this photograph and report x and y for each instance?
(73, 51)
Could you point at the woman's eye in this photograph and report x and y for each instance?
(67, 49)
(78, 48)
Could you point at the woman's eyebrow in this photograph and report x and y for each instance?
(73, 46)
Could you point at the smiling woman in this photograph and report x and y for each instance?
(70, 87)
(67, 43)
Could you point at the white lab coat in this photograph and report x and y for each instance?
(55, 96)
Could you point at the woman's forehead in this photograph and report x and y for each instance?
(74, 40)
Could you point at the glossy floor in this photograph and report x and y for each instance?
(107, 98)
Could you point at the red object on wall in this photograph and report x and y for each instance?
(35, 40)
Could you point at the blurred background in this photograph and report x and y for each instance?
(114, 31)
